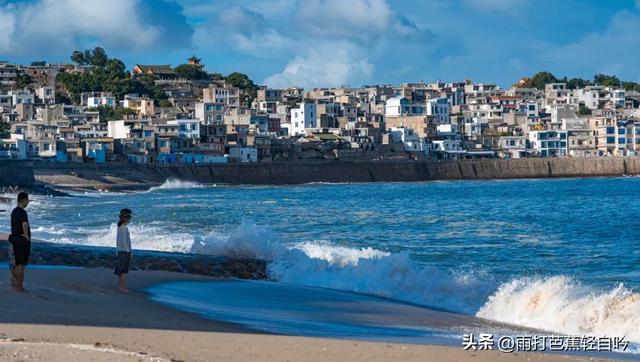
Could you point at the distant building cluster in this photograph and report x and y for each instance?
(211, 121)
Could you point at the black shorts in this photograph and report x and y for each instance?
(21, 249)
(122, 263)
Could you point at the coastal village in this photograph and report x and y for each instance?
(93, 110)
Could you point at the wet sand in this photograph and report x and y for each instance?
(77, 315)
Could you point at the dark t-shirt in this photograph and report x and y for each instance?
(18, 216)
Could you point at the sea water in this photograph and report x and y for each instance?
(561, 255)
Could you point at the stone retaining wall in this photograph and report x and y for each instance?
(103, 257)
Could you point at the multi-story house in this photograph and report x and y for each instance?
(549, 143)
(303, 117)
(581, 137)
(210, 113)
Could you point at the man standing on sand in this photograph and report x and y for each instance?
(20, 240)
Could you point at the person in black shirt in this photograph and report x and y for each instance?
(20, 239)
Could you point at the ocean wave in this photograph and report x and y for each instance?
(175, 184)
(363, 270)
(143, 237)
(557, 304)
(561, 304)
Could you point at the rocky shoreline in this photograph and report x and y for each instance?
(44, 253)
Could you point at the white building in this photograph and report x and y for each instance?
(303, 117)
(410, 140)
(400, 106)
(210, 113)
(94, 102)
(438, 107)
(512, 146)
(118, 130)
(46, 94)
(549, 143)
(21, 97)
(450, 146)
(590, 96)
(187, 128)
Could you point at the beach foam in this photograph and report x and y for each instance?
(558, 304)
(561, 304)
(362, 270)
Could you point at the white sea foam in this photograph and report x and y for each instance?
(172, 184)
(561, 304)
(363, 270)
(557, 304)
(143, 237)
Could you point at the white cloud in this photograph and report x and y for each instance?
(244, 30)
(66, 23)
(612, 51)
(331, 64)
(343, 18)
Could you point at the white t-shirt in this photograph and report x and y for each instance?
(123, 240)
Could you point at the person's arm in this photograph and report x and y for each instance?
(25, 230)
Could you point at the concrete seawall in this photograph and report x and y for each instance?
(354, 171)
(283, 173)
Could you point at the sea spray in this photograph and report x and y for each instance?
(174, 184)
(362, 270)
(561, 304)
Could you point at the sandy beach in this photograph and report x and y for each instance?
(76, 315)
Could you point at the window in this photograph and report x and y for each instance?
(611, 130)
(622, 141)
(622, 130)
(611, 140)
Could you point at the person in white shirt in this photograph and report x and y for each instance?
(123, 245)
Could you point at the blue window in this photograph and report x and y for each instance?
(611, 140)
(622, 141)
(611, 130)
(563, 136)
(622, 130)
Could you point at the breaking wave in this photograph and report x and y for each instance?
(174, 184)
(557, 304)
(561, 304)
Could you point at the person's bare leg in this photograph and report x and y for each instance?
(122, 283)
(20, 278)
(14, 280)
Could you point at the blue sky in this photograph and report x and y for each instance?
(314, 43)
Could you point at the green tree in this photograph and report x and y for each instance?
(38, 63)
(108, 75)
(5, 129)
(165, 103)
(112, 114)
(539, 80)
(23, 80)
(190, 72)
(576, 83)
(606, 80)
(631, 86)
(243, 82)
(78, 58)
(583, 110)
